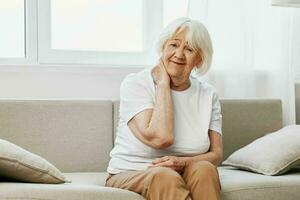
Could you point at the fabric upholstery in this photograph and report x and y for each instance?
(246, 120)
(273, 154)
(242, 185)
(236, 185)
(77, 136)
(116, 116)
(18, 164)
(297, 101)
(74, 135)
(84, 186)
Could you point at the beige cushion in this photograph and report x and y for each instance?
(243, 185)
(245, 120)
(272, 154)
(84, 186)
(22, 165)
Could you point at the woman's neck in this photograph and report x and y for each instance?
(179, 84)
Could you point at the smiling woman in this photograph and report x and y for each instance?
(179, 60)
(170, 122)
(183, 50)
(195, 38)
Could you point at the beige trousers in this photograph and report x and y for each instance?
(199, 181)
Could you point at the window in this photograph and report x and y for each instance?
(97, 25)
(82, 32)
(12, 34)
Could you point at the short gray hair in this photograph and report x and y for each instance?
(198, 38)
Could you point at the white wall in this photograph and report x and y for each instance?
(296, 63)
(296, 43)
(57, 82)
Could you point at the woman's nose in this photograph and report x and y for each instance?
(179, 53)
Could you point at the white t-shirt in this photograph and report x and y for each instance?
(195, 110)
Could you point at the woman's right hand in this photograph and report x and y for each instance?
(160, 75)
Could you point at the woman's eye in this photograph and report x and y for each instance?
(173, 45)
(189, 50)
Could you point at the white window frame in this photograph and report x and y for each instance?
(151, 25)
(30, 36)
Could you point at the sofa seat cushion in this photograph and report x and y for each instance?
(84, 186)
(242, 185)
(236, 185)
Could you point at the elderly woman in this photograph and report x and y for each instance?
(169, 138)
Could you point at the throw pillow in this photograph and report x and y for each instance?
(273, 154)
(18, 164)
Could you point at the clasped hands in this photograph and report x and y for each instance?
(176, 163)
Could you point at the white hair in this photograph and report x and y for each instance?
(197, 37)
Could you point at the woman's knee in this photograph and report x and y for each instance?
(164, 176)
(165, 182)
(164, 173)
(202, 169)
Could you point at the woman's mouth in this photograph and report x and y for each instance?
(177, 63)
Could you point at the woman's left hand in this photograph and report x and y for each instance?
(173, 162)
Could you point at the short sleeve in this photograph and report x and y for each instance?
(134, 97)
(216, 116)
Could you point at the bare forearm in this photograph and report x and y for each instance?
(161, 123)
(213, 157)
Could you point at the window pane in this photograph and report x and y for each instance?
(174, 9)
(97, 25)
(12, 32)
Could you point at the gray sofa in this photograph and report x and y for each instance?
(77, 136)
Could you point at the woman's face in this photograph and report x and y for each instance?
(179, 58)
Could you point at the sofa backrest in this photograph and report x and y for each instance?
(297, 101)
(74, 135)
(77, 135)
(246, 120)
(243, 121)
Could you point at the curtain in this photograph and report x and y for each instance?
(252, 48)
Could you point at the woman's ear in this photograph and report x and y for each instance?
(199, 62)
